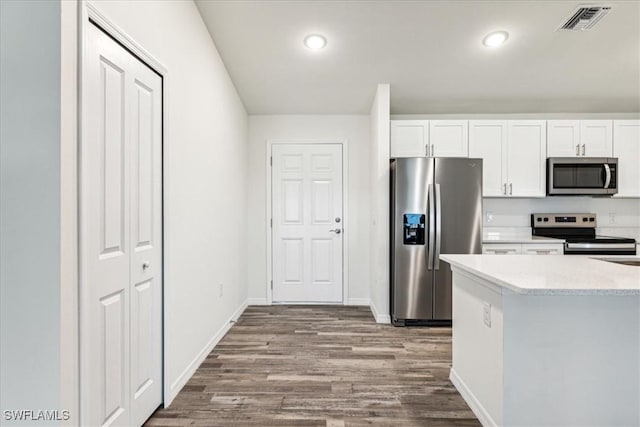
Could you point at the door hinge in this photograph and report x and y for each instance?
(271, 223)
(272, 285)
(270, 160)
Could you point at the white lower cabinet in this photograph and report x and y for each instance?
(542, 249)
(523, 248)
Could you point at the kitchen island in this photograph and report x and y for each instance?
(547, 341)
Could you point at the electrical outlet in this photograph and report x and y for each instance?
(489, 216)
(612, 218)
(486, 314)
(221, 289)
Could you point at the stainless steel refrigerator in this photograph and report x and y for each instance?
(436, 208)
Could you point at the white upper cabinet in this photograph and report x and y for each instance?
(430, 138)
(596, 138)
(526, 158)
(563, 138)
(487, 141)
(580, 138)
(409, 138)
(514, 156)
(449, 138)
(626, 147)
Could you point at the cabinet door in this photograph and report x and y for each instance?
(502, 248)
(596, 138)
(526, 158)
(626, 147)
(542, 249)
(409, 138)
(487, 141)
(563, 138)
(449, 138)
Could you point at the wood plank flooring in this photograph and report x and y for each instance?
(321, 366)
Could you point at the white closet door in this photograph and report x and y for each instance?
(121, 214)
(106, 183)
(145, 124)
(307, 211)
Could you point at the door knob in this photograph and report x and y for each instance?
(337, 231)
(145, 265)
(338, 219)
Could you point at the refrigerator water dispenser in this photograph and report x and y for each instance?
(413, 229)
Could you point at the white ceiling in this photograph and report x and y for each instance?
(431, 54)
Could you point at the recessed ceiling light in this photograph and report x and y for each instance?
(315, 41)
(495, 39)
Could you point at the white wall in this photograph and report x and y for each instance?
(205, 242)
(29, 206)
(615, 217)
(355, 129)
(379, 261)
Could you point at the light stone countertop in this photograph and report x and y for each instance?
(553, 274)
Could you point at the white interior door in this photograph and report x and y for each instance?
(307, 222)
(145, 123)
(121, 215)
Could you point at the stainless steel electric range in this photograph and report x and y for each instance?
(579, 233)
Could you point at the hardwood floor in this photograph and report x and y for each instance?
(321, 366)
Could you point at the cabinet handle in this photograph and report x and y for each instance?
(583, 149)
(502, 251)
(433, 151)
(577, 149)
(543, 251)
(504, 188)
(426, 148)
(511, 188)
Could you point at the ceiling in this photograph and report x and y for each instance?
(431, 54)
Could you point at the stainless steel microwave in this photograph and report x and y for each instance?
(588, 176)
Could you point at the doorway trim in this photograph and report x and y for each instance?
(90, 15)
(343, 142)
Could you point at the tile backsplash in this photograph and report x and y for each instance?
(616, 217)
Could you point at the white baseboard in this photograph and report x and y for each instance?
(483, 416)
(257, 301)
(191, 368)
(358, 301)
(380, 318)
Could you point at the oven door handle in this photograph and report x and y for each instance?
(600, 245)
(607, 175)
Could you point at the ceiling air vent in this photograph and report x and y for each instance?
(585, 17)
